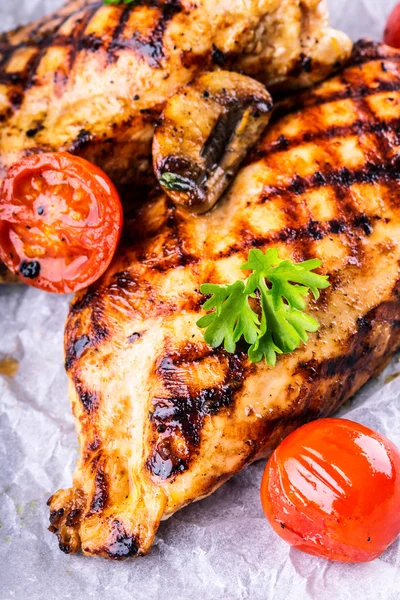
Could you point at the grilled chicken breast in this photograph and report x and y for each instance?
(163, 419)
(92, 79)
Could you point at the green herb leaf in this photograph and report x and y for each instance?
(116, 2)
(281, 287)
(176, 183)
(233, 317)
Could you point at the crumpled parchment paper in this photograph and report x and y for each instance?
(220, 548)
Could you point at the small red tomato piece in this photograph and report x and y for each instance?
(332, 489)
(60, 221)
(392, 29)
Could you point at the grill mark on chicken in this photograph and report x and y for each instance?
(83, 300)
(330, 133)
(92, 445)
(26, 77)
(122, 544)
(342, 190)
(301, 237)
(119, 29)
(366, 51)
(81, 141)
(73, 517)
(378, 127)
(151, 48)
(90, 399)
(314, 230)
(315, 100)
(29, 75)
(63, 14)
(43, 41)
(357, 355)
(100, 330)
(75, 350)
(182, 416)
(76, 40)
(343, 178)
(100, 495)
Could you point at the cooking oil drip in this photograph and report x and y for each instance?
(9, 366)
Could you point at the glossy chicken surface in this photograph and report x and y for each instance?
(163, 419)
(92, 79)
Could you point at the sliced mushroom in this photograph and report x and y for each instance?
(204, 133)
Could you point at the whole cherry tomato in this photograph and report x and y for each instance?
(60, 221)
(332, 489)
(392, 29)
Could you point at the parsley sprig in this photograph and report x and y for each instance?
(174, 182)
(280, 286)
(116, 2)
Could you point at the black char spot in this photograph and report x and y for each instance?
(337, 226)
(73, 518)
(56, 515)
(364, 223)
(76, 350)
(90, 42)
(30, 269)
(314, 230)
(89, 399)
(134, 337)
(100, 495)
(16, 99)
(282, 143)
(33, 131)
(64, 547)
(219, 58)
(124, 544)
(306, 64)
(83, 138)
(298, 185)
(318, 179)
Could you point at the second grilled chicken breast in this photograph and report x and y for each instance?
(92, 79)
(163, 419)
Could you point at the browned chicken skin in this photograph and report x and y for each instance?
(163, 419)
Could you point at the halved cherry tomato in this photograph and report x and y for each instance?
(392, 29)
(60, 221)
(332, 489)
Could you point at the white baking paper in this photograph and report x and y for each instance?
(220, 548)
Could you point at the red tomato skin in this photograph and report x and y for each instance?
(391, 36)
(332, 489)
(99, 232)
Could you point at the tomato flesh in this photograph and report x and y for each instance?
(60, 221)
(332, 489)
(392, 30)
